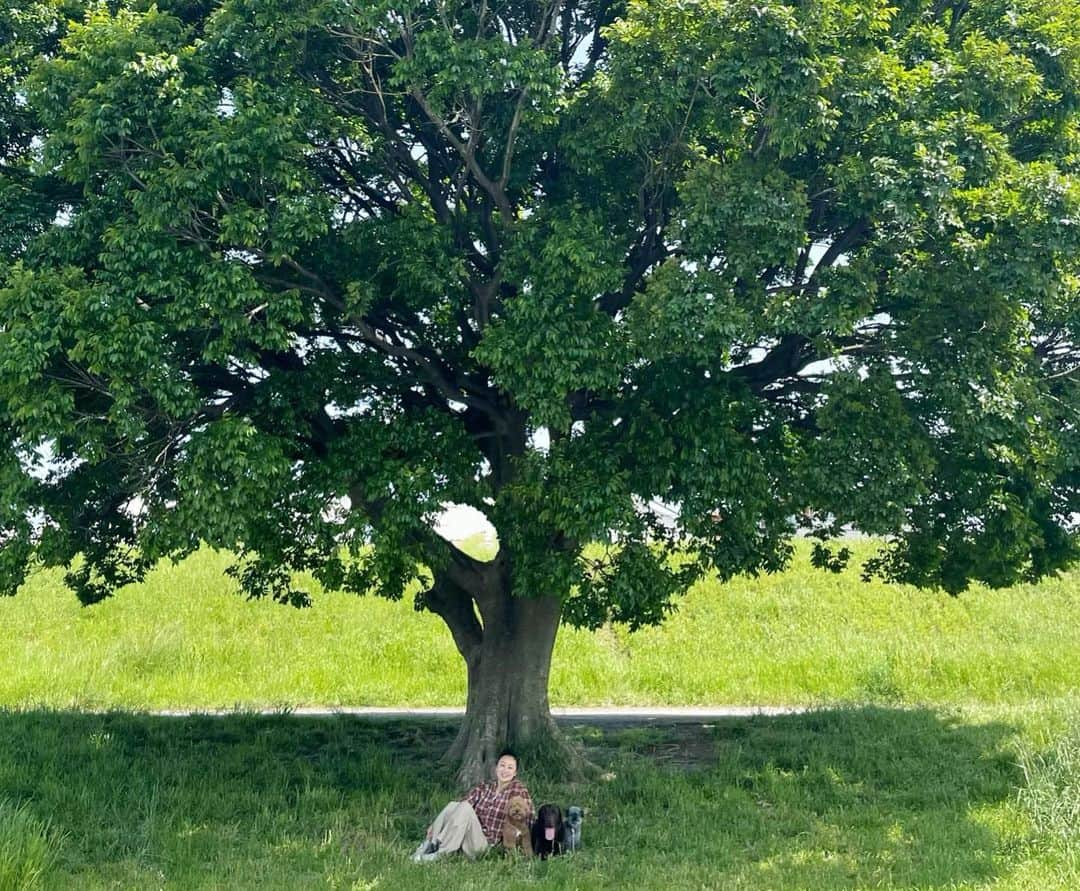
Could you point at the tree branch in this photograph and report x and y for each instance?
(456, 607)
(467, 153)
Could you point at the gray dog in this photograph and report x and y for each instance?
(571, 829)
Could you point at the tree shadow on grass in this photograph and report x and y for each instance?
(833, 798)
(847, 797)
(236, 801)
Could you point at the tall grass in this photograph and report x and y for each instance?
(1050, 792)
(28, 847)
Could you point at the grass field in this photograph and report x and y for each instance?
(943, 750)
(184, 638)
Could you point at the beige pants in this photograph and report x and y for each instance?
(457, 828)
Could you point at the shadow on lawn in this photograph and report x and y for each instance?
(832, 798)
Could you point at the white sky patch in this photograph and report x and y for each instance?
(226, 106)
(135, 507)
(821, 368)
(667, 515)
(460, 521)
(817, 251)
(541, 440)
(42, 463)
(362, 407)
(248, 258)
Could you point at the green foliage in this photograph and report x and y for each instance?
(287, 276)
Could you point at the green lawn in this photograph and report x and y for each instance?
(855, 797)
(943, 751)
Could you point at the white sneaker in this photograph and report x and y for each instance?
(426, 851)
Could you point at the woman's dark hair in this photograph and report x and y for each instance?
(509, 752)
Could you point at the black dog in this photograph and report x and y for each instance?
(547, 832)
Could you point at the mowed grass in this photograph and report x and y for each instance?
(186, 639)
(941, 751)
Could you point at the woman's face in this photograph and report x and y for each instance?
(506, 769)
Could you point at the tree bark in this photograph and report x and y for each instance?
(506, 643)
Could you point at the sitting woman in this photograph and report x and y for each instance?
(474, 823)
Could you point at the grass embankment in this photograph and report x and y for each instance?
(949, 756)
(185, 639)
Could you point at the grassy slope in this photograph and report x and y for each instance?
(924, 788)
(185, 639)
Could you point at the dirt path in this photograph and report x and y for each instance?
(592, 715)
(677, 736)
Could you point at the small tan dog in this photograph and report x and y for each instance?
(515, 829)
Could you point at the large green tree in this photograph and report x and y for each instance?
(287, 276)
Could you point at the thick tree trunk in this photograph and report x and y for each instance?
(507, 649)
(507, 703)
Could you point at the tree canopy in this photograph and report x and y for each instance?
(287, 276)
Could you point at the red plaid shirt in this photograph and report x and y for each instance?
(490, 805)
